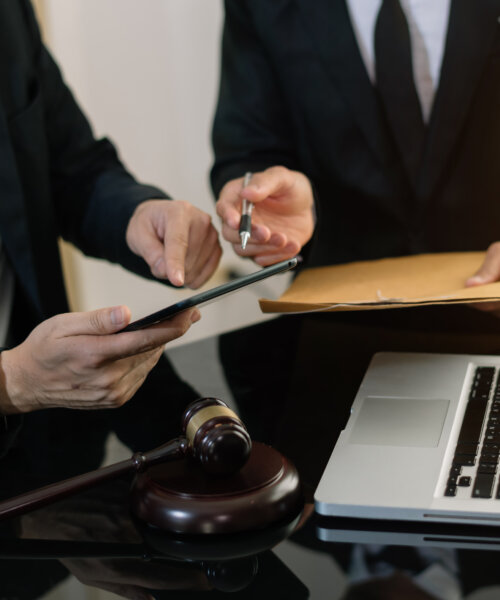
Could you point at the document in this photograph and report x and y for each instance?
(418, 280)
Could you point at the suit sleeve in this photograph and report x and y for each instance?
(9, 428)
(94, 194)
(252, 128)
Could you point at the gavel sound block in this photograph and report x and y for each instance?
(182, 498)
(212, 481)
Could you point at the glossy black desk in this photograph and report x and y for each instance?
(93, 538)
(292, 380)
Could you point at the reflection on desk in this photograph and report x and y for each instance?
(93, 537)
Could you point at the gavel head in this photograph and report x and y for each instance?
(216, 436)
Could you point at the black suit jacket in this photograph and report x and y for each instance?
(294, 91)
(57, 180)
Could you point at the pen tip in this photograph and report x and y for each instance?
(244, 239)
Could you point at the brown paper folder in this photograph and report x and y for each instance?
(418, 280)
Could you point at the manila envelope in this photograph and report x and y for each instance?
(419, 280)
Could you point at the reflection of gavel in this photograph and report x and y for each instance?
(214, 436)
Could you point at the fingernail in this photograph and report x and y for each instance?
(118, 315)
(179, 277)
(195, 316)
(474, 280)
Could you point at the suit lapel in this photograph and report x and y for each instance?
(471, 29)
(330, 29)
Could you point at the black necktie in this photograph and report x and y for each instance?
(395, 83)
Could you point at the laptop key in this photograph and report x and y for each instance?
(451, 490)
(472, 425)
(465, 448)
(464, 459)
(464, 481)
(491, 448)
(486, 468)
(491, 459)
(483, 485)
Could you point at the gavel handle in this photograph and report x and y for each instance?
(56, 491)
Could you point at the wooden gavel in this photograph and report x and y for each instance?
(213, 435)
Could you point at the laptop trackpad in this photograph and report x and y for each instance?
(399, 422)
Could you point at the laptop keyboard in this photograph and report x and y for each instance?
(475, 462)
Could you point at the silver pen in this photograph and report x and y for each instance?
(246, 215)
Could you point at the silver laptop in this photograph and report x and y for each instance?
(408, 533)
(422, 442)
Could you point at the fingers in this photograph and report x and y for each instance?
(277, 248)
(86, 333)
(260, 237)
(119, 384)
(283, 217)
(203, 254)
(176, 239)
(289, 251)
(149, 245)
(203, 273)
(271, 182)
(109, 385)
(228, 205)
(129, 343)
(145, 233)
(489, 270)
(266, 184)
(77, 361)
(103, 321)
(488, 307)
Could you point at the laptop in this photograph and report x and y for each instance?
(422, 442)
(408, 533)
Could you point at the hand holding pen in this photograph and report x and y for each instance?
(245, 227)
(282, 221)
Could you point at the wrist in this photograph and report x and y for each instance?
(9, 404)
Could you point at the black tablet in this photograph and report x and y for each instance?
(212, 294)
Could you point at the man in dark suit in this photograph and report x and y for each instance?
(56, 180)
(371, 129)
(392, 173)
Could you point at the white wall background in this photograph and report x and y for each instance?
(146, 74)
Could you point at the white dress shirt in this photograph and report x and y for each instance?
(428, 25)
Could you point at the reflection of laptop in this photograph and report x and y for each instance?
(422, 442)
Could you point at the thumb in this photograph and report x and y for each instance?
(271, 182)
(489, 271)
(102, 321)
